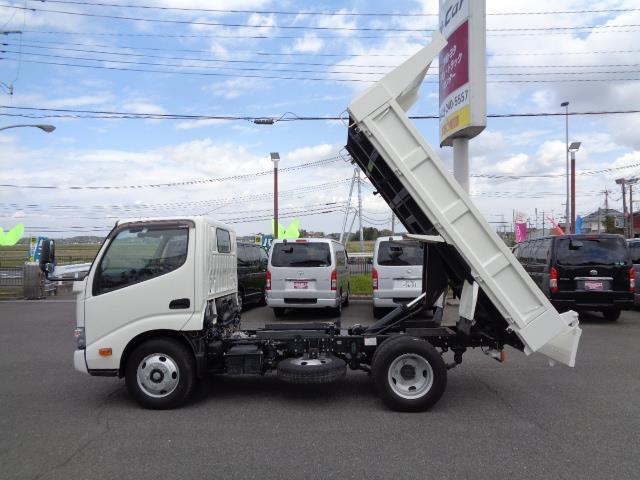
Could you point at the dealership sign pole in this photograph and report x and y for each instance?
(463, 79)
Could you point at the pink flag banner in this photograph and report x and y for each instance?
(521, 232)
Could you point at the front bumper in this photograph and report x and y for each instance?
(79, 362)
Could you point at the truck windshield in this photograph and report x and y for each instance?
(313, 254)
(591, 251)
(138, 254)
(399, 253)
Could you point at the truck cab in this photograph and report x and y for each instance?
(152, 278)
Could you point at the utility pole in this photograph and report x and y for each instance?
(360, 212)
(346, 212)
(393, 223)
(543, 223)
(622, 183)
(275, 158)
(599, 220)
(631, 229)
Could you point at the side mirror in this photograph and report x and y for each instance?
(48, 256)
(369, 260)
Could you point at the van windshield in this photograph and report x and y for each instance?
(592, 251)
(399, 253)
(313, 254)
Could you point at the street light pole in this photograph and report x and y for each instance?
(573, 148)
(44, 128)
(275, 157)
(567, 227)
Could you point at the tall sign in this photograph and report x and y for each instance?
(462, 66)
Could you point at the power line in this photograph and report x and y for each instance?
(319, 79)
(287, 70)
(78, 113)
(319, 13)
(299, 27)
(178, 184)
(48, 45)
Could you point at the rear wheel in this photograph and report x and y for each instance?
(160, 374)
(409, 374)
(278, 312)
(611, 315)
(346, 300)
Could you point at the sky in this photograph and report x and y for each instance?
(88, 67)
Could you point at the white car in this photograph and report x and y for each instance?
(396, 272)
(307, 273)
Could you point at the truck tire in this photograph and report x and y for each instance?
(409, 374)
(611, 315)
(160, 374)
(302, 370)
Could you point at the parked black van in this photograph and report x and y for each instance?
(252, 274)
(581, 272)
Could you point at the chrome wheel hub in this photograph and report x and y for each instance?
(158, 375)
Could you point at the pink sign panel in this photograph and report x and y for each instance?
(454, 62)
(521, 232)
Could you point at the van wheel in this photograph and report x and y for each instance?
(337, 311)
(263, 298)
(611, 315)
(346, 300)
(409, 374)
(160, 374)
(278, 312)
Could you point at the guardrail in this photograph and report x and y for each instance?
(359, 265)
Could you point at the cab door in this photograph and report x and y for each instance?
(144, 280)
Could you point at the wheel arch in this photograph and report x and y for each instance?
(150, 335)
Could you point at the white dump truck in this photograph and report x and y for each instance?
(159, 303)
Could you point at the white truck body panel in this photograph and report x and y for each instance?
(112, 319)
(380, 113)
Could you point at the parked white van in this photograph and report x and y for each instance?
(396, 272)
(307, 273)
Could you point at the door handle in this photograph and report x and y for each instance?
(179, 303)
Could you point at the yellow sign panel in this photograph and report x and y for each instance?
(258, 240)
(455, 122)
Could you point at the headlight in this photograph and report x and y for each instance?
(80, 339)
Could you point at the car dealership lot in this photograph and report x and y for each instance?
(521, 419)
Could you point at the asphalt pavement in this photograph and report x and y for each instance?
(519, 420)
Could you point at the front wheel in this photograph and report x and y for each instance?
(160, 374)
(409, 374)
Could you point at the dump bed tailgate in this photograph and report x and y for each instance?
(424, 195)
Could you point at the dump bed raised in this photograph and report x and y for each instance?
(498, 298)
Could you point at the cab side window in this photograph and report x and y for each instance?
(139, 254)
(223, 239)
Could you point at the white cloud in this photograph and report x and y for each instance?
(309, 43)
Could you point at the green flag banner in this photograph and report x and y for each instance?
(11, 237)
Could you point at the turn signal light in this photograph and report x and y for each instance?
(105, 352)
(632, 279)
(334, 280)
(374, 275)
(268, 279)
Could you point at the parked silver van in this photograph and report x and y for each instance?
(307, 273)
(396, 272)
